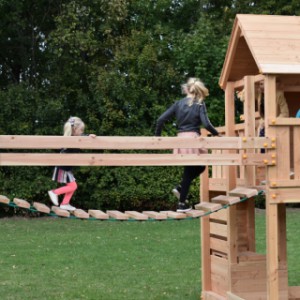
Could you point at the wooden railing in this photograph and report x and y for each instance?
(30, 151)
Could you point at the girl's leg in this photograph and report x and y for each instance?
(68, 190)
(189, 174)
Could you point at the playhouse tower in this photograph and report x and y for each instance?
(264, 50)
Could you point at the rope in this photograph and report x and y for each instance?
(52, 214)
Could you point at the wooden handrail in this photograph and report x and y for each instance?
(131, 142)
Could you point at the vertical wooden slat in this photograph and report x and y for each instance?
(231, 174)
(272, 211)
(249, 111)
(204, 234)
(296, 152)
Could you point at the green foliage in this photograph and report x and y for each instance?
(118, 65)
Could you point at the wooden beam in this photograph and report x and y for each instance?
(45, 159)
(128, 142)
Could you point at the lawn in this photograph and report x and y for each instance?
(51, 258)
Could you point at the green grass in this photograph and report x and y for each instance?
(48, 258)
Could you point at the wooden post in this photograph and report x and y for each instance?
(275, 228)
(231, 175)
(249, 112)
(205, 234)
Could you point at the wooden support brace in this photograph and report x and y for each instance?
(98, 214)
(136, 215)
(41, 207)
(21, 203)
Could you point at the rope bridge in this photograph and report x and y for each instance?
(32, 154)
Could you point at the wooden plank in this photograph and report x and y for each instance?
(136, 215)
(124, 142)
(98, 214)
(4, 199)
(243, 192)
(174, 214)
(217, 184)
(220, 215)
(219, 275)
(284, 195)
(60, 212)
(283, 121)
(219, 229)
(84, 159)
(117, 215)
(208, 206)
(225, 200)
(275, 184)
(219, 245)
(232, 296)
(21, 203)
(155, 215)
(280, 68)
(209, 295)
(296, 151)
(195, 213)
(294, 292)
(80, 213)
(251, 256)
(41, 207)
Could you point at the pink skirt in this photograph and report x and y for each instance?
(189, 134)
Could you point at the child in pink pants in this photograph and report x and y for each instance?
(63, 174)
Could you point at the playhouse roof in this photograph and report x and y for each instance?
(264, 44)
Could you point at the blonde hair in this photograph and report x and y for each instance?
(196, 87)
(72, 124)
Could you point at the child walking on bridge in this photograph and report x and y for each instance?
(64, 174)
(190, 113)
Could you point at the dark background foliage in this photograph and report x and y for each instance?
(118, 65)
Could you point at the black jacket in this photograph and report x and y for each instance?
(189, 118)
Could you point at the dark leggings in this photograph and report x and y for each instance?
(189, 174)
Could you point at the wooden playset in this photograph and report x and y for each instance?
(262, 49)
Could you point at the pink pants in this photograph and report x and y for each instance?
(68, 190)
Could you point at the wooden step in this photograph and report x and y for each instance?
(98, 214)
(155, 215)
(174, 214)
(60, 212)
(117, 215)
(208, 206)
(21, 203)
(225, 200)
(195, 213)
(80, 213)
(4, 199)
(243, 192)
(41, 207)
(136, 215)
